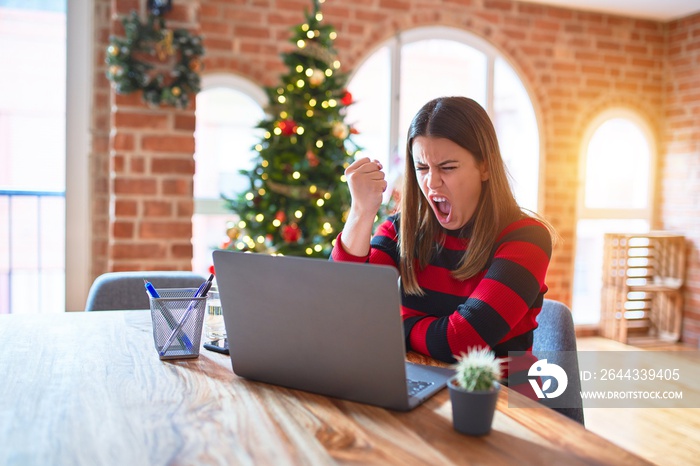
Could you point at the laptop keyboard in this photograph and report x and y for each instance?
(414, 386)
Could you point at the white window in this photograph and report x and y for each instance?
(33, 156)
(425, 63)
(228, 109)
(616, 196)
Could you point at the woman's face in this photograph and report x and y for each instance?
(450, 179)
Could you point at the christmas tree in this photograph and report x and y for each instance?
(298, 196)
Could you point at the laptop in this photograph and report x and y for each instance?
(332, 328)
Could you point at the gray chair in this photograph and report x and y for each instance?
(126, 291)
(555, 338)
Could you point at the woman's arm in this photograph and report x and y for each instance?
(366, 182)
(383, 248)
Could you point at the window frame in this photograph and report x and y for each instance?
(79, 77)
(647, 213)
(583, 213)
(204, 206)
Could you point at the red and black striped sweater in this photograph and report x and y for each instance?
(496, 308)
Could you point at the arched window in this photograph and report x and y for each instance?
(228, 109)
(616, 196)
(424, 63)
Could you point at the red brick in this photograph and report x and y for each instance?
(125, 208)
(137, 165)
(164, 230)
(123, 141)
(134, 99)
(123, 185)
(590, 69)
(172, 166)
(125, 119)
(118, 163)
(211, 44)
(177, 187)
(181, 250)
(498, 5)
(185, 122)
(252, 31)
(132, 250)
(185, 208)
(157, 209)
(121, 229)
(215, 27)
(607, 45)
(565, 67)
(209, 11)
(168, 143)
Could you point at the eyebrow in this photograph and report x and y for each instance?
(444, 162)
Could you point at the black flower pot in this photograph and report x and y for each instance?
(472, 412)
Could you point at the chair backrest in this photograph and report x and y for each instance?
(126, 291)
(555, 333)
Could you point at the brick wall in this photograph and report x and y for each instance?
(680, 171)
(143, 203)
(99, 157)
(575, 64)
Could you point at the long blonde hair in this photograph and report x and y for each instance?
(464, 122)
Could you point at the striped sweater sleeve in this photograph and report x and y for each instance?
(383, 247)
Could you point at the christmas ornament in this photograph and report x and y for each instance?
(317, 77)
(131, 68)
(234, 233)
(164, 48)
(340, 130)
(346, 99)
(291, 233)
(281, 216)
(288, 127)
(312, 158)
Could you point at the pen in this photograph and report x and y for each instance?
(149, 288)
(201, 291)
(207, 283)
(172, 322)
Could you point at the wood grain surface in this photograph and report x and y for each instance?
(89, 389)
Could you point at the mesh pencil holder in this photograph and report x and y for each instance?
(177, 322)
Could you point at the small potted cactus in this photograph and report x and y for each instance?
(474, 391)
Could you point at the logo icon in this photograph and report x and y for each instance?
(548, 372)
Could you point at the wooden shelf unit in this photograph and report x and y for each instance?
(642, 297)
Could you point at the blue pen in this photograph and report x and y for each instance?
(207, 283)
(149, 288)
(166, 313)
(201, 291)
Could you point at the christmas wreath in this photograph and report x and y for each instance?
(140, 61)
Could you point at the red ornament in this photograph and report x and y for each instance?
(312, 158)
(288, 127)
(346, 99)
(280, 215)
(291, 233)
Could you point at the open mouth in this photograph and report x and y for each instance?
(442, 208)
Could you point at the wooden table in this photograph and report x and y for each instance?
(89, 389)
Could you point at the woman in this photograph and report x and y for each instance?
(472, 263)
